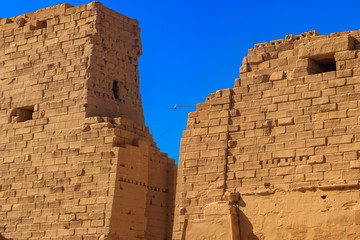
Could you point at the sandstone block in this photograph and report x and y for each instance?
(285, 170)
(190, 171)
(355, 164)
(261, 78)
(300, 72)
(345, 55)
(349, 147)
(340, 139)
(320, 101)
(350, 174)
(303, 169)
(314, 176)
(255, 59)
(286, 121)
(314, 78)
(281, 99)
(279, 75)
(284, 154)
(321, 167)
(326, 46)
(245, 174)
(344, 73)
(209, 153)
(316, 159)
(315, 142)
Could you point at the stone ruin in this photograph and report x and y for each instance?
(286, 139)
(275, 157)
(76, 160)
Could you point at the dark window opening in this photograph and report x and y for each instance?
(323, 65)
(115, 89)
(22, 114)
(327, 65)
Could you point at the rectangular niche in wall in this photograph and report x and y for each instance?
(22, 114)
(115, 90)
(322, 65)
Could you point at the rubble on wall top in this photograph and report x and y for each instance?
(288, 38)
(63, 6)
(38, 19)
(41, 14)
(46, 13)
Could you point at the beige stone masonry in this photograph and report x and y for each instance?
(325, 47)
(292, 153)
(76, 160)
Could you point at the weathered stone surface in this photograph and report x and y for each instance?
(277, 76)
(292, 149)
(76, 160)
(326, 47)
(221, 221)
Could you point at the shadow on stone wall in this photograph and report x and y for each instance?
(3, 238)
(246, 227)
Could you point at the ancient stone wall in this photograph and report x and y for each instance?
(113, 68)
(286, 137)
(76, 160)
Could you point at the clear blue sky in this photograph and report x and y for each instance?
(193, 48)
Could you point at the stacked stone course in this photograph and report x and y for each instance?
(286, 137)
(76, 160)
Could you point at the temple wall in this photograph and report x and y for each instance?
(76, 160)
(114, 86)
(286, 137)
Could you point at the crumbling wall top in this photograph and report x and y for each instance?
(289, 37)
(33, 20)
